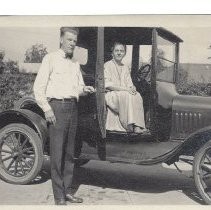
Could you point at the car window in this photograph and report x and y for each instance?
(127, 60)
(165, 60)
(145, 52)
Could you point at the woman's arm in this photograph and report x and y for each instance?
(131, 90)
(109, 85)
(117, 88)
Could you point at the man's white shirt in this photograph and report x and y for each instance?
(58, 77)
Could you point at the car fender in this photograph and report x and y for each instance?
(191, 144)
(198, 138)
(27, 117)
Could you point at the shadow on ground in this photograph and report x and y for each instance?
(142, 179)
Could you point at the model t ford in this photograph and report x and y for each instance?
(179, 125)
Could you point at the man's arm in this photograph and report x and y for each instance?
(40, 86)
(83, 89)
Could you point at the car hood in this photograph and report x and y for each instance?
(189, 114)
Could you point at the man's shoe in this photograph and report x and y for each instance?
(73, 199)
(60, 201)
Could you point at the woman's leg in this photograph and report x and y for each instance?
(131, 110)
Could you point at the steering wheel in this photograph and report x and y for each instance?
(144, 72)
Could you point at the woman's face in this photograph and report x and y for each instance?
(118, 52)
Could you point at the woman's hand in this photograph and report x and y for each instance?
(131, 90)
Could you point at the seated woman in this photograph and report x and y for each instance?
(121, 96)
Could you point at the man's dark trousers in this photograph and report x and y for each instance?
(62, 139)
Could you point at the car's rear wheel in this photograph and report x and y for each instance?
(202, 172)
(21, 154)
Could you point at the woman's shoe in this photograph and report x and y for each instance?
(146, 132)
(138, 130)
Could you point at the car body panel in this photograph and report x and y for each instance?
(189, 114)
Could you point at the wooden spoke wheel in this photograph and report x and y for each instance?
(21, 155)
(202, 172)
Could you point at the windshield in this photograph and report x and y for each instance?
(165, 60)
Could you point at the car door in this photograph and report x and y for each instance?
(99, 83)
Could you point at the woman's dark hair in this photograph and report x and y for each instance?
(118, 43)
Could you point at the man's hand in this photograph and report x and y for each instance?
(50, 117)
(132, 90)
(88, 89)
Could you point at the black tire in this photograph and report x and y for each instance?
(202, 172)
(21, 154)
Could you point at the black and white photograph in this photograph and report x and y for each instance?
(105, 110)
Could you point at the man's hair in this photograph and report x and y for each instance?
(118, 43)
(73, 30)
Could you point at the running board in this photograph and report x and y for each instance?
(122, 134)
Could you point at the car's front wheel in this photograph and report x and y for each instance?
(202, 172)
(21, 154)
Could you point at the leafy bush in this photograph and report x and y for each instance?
(8, 66)
(13, 87)
(195, 88)
(11, 66)
(191, 87)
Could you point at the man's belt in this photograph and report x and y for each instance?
(64, 99)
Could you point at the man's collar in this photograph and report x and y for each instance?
(65, 55)
(61, 52)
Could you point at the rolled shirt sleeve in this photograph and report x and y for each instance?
(40, 84)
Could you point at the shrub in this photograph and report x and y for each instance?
(191, 87)
(11, 66)
(13, 87)
(195, 88)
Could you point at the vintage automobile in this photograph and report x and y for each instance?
(180, 125)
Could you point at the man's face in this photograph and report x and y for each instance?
(68, 42)
(118, 52)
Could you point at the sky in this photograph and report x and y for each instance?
(16, 40)
(196, 41)
(19, 34)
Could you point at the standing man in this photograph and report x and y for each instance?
(57, 88)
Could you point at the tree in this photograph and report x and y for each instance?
(35, 54)
(2, 54)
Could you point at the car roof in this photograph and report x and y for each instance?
(126, 35)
